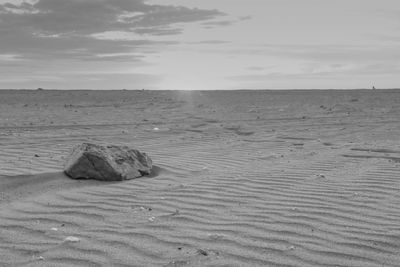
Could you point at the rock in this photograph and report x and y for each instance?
(106, 163)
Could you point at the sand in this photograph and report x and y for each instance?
(263, 178)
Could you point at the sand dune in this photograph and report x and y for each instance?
(242, 179)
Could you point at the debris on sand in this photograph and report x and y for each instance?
(176, 212)
(202, 252)
(107, 163)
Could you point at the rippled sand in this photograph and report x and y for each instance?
(266, 178)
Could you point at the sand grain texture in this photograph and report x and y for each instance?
(262, 178)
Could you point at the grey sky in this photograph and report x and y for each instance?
(199, 44)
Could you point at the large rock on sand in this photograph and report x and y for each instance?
(107, 163)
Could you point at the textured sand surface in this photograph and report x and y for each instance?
(264, 178)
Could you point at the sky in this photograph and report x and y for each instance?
(199, 44)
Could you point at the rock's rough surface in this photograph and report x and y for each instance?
(107, 163)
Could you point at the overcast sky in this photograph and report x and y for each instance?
(199, 44)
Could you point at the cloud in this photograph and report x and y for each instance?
(88, 17)
(71, 48)
(158, 31)
(9, 57)
(212, 24)
(243, 18)
(226, 22)
(210, 42)
(67, 29)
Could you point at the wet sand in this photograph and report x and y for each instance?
(263, 178)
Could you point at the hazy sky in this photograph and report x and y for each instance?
(199, 44)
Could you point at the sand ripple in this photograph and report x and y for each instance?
(234, 194)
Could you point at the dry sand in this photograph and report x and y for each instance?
(262, 178)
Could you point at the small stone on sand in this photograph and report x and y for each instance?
(72, 239)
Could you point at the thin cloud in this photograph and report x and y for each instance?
(243, 18)
(210, 42)
(212, 24)
(325, 72)
(338, 53)
(324, 53)
(223, 23)
(158, 31)
(255, 68)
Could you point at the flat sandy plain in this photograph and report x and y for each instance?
(244, 178)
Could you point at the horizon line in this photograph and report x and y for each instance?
(244, 89)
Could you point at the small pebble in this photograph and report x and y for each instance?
(72, 239)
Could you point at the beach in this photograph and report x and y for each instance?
(241, 178)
